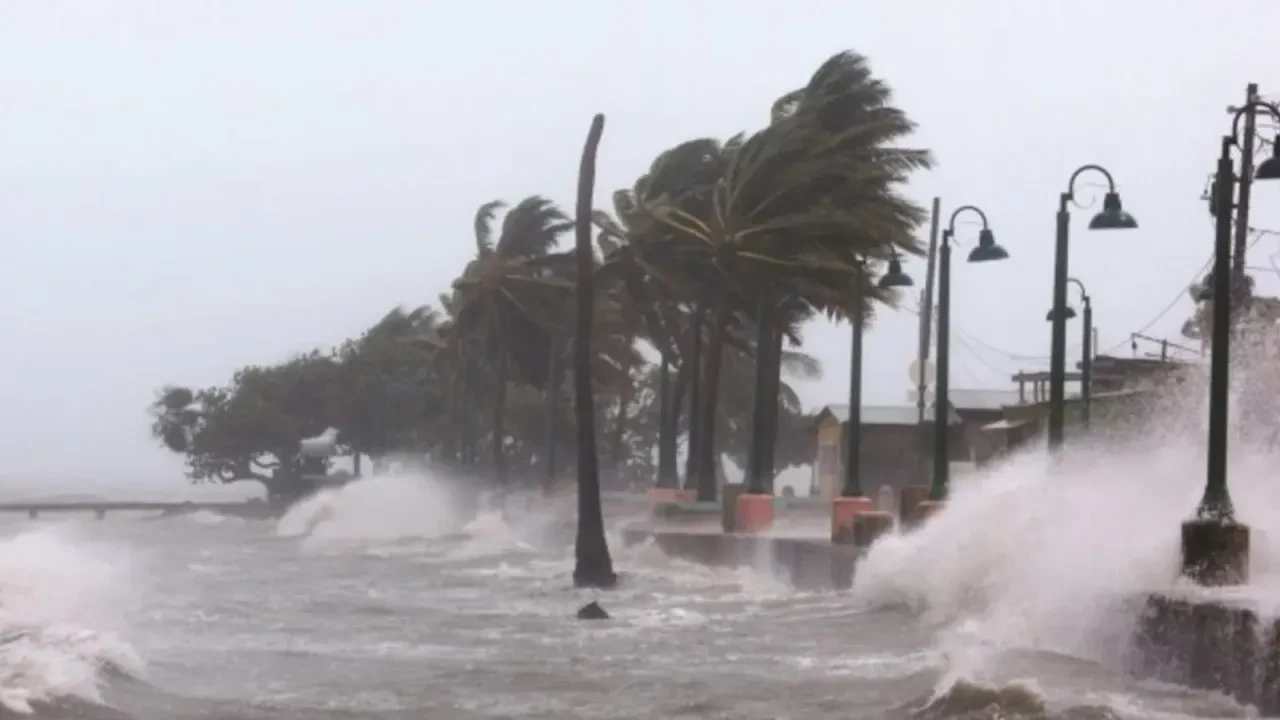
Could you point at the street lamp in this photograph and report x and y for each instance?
(894, 278)
(1086, 350)
(1111, 217)
(987, 250)
(1215, 548)
(851, 501)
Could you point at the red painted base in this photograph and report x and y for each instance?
(755, 513)
(671, 495)
(842, 511)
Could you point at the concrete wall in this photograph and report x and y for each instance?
(808, 564)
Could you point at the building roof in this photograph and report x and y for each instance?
(975, 399)
(886, 414)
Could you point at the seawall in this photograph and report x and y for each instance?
(806, 563)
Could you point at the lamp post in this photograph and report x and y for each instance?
(1086, 350)
(986, 251)
(894, 278)
(1215, 548)
(852, 500)
(1111, 217)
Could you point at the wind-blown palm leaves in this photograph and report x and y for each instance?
(793, 209)
(707, 264)
(510, 298)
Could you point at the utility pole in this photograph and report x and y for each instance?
(926, 326)
(926, 311)
(1246, 180)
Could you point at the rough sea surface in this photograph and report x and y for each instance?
(388, 599)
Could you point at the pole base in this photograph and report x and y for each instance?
(659, 495)
(755, 513)
(843, 510)
(868, 526)
(1215, 552)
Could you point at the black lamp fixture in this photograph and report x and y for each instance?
(987, 248)
(1270, 168)
(1112, 216)
(895, 278)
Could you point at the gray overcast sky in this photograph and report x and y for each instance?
(186, 187)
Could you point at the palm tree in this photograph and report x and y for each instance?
(507, 301)
(630, 277)
(594, 566)
(794, 209)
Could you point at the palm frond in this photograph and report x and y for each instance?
(484, 225)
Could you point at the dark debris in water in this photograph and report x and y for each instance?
(592, 611)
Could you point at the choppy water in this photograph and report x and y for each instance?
(385, 600)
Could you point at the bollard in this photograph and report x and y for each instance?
(843, 511)
(754, 513)
(729, 506)
(1215, 553)
(869, 525)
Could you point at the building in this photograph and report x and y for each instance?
(1121, 389)
(891, 446)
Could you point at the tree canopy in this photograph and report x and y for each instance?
(704, 272)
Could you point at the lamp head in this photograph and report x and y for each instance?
(1069, 314)
(987, 248)
(1270, 168)
(1113, 216)
(895, 278)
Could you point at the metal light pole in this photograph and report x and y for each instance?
(1086, 349)
(1086, 357)
(1215, 549)
(894, 278)
(986, 250)
(1216, 504)
(1112, 217)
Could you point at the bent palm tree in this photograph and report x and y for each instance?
(508, 299)
(594, 566)
(794, 209)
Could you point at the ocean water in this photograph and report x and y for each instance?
(393, 598)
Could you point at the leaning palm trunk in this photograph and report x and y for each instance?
(758, 476)
(692, 371)
(500, 417)
(768, 454)
(624, 401)
(707, 450)
(593, 567)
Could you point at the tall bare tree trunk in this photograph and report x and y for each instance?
(593, 566)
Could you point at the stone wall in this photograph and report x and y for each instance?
(807, 564)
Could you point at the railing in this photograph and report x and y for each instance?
(101, 508)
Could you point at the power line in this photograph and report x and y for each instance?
(1258, 233)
